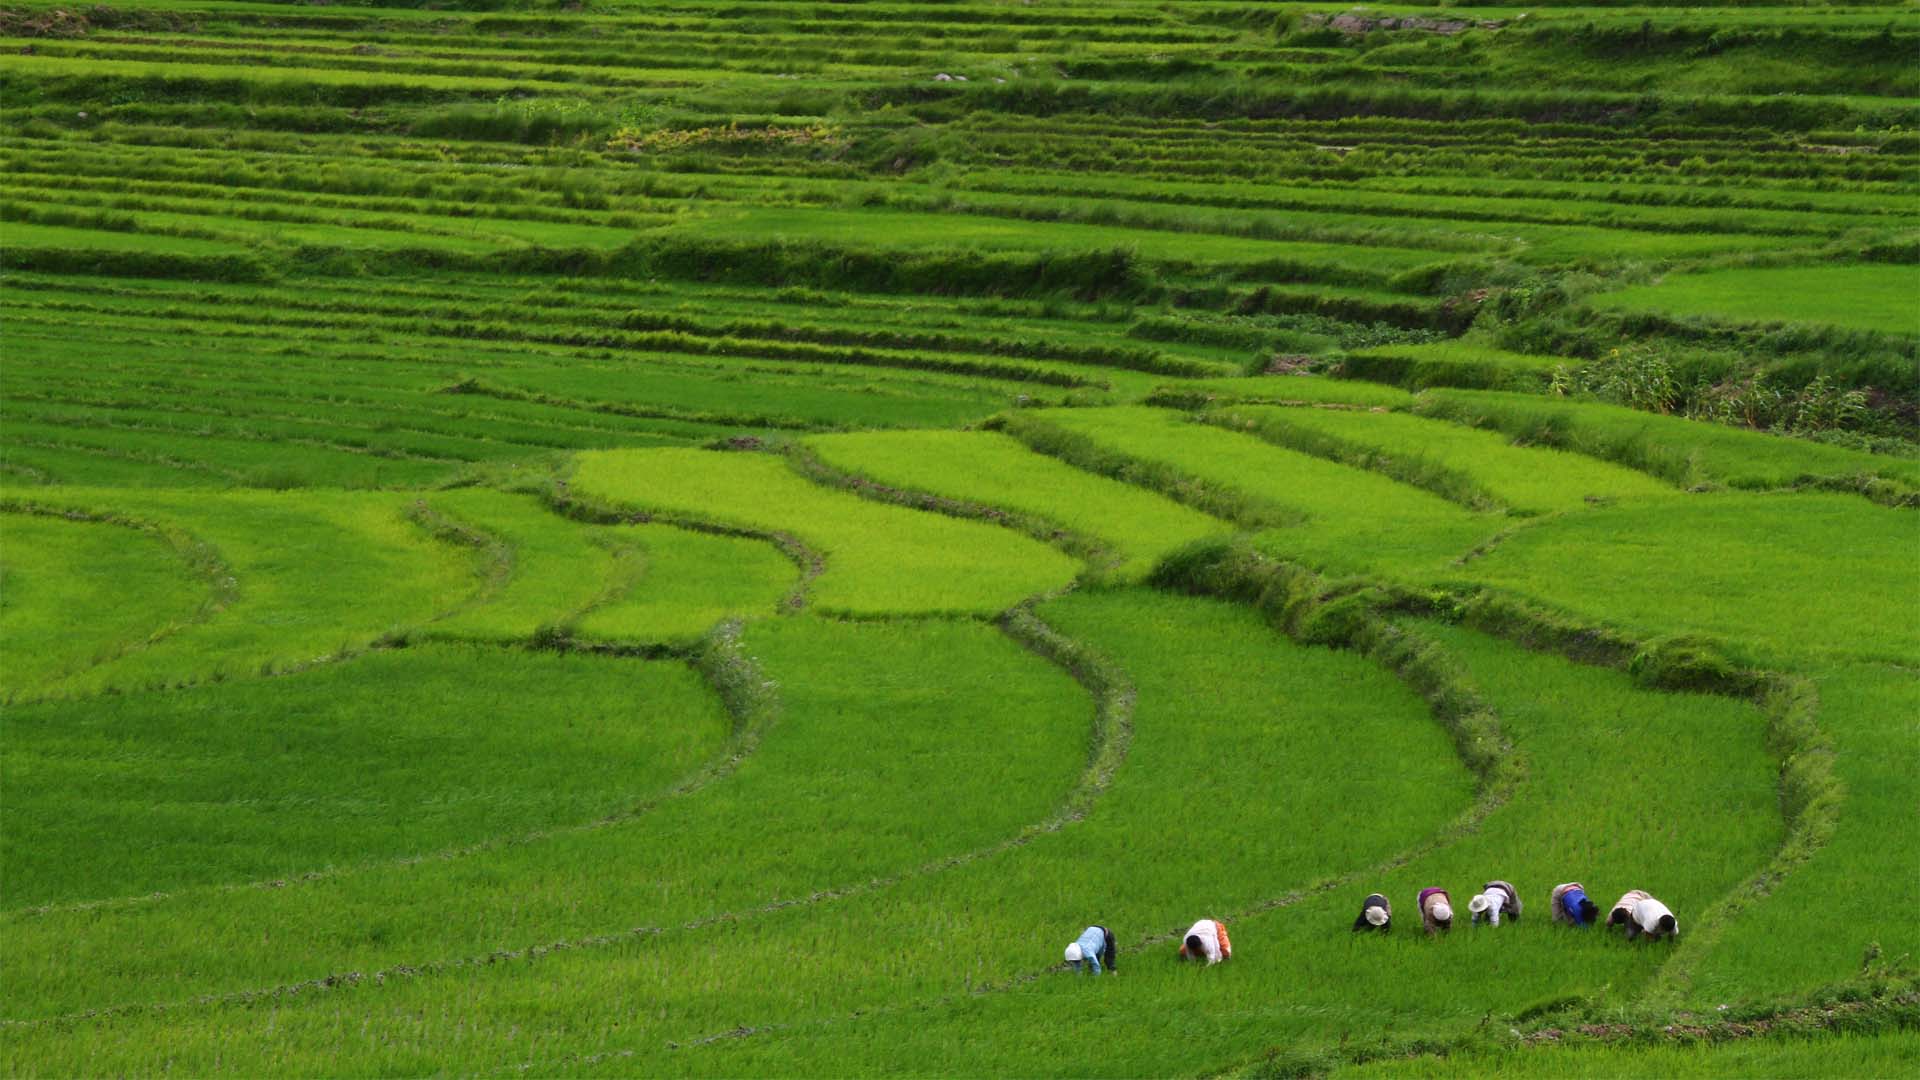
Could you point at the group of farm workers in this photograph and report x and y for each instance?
(1637, 913)
(1095, 950)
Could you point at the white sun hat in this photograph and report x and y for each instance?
(1074, 955)
(1377, 916)
(1442, 913)
(1479, 904)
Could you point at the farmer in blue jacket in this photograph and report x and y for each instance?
(1571, 905)
(1095, 945)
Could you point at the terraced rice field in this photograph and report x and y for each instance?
(712, 539)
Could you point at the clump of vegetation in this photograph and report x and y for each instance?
(670, 140)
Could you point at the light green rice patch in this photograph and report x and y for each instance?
(880, 559)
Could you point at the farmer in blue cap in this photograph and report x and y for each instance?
(1094, 945)
(1572, 906)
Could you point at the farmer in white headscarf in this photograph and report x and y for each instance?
(1436, 911)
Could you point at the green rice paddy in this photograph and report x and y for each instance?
(712, 539)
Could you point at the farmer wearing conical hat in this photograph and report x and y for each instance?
(1495, 899)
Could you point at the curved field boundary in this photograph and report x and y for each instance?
(669, 586)
(1288, 595)
(567, 501)
(1424, 666)
(1357, 523)
(1084, 452)
(1448, 482)
(544, 570)
(1811, 794)
(201, 560)
(1098, 554)
(990, 474)
(742, 685)
(1478, 469)
(1737, 568)
(735, 677)
(883, 560)
(1682, 452)
(492, 555)
(371, 548)
(1297, 602)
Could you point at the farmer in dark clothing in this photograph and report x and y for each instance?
(1436, 911)
(1375, 914)
(1572, 906)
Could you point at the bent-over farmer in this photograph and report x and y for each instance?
(1436, 911)
(1651, 917)
(1094, 947)
(1622, 914)
(1207, 939)
(1375, 914)
(1495, 899)
(1572, 906)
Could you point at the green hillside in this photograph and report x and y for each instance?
(714, 537)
